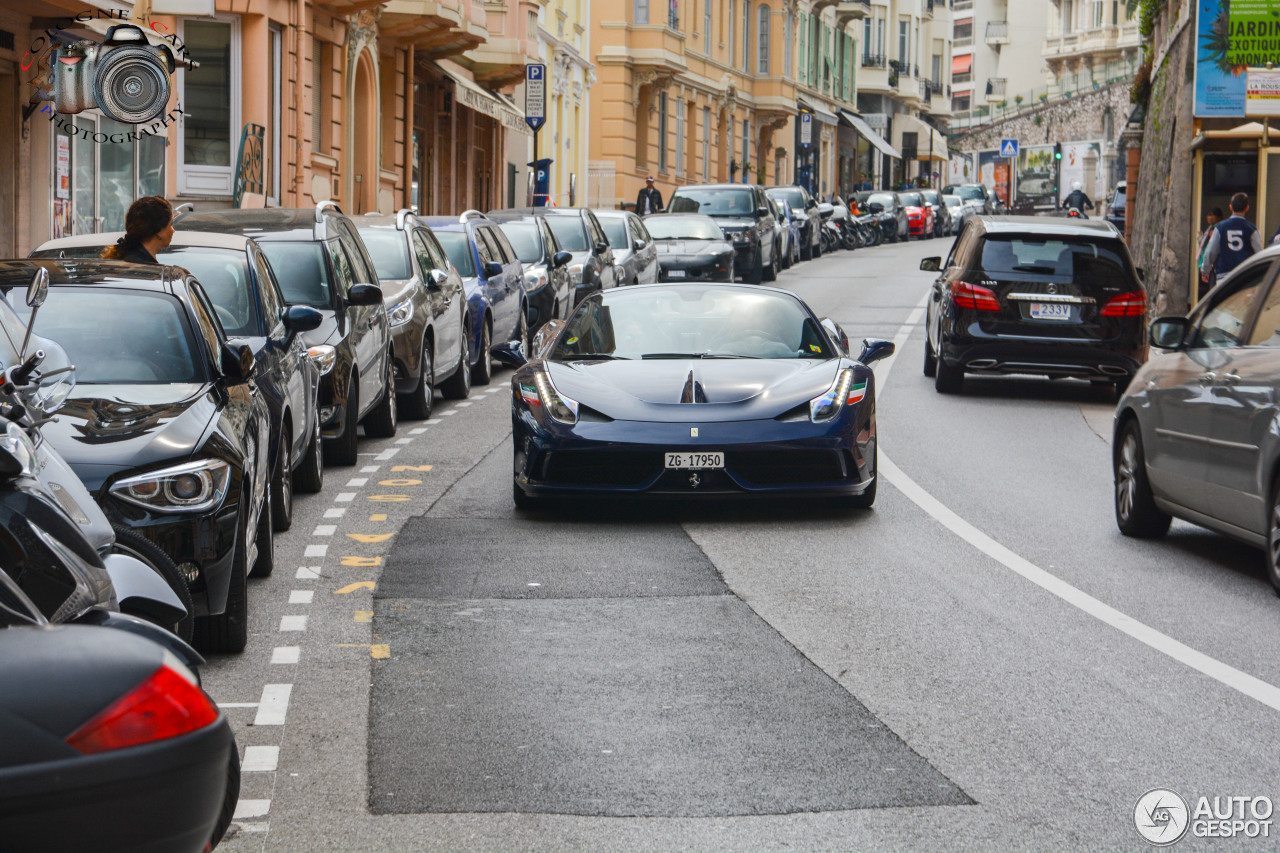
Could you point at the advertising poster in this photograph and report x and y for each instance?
(960, 169)
(1254, 32)
(1220, 82)
(62, 183)
(1078, 165)
(1035, 176)
(61, 218)
(987, 167)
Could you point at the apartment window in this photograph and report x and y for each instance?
(1068, 17)
(789, 36)
(937, 71)
(746, 35)
(662, 131)
(866, 40)
(640, 12)
(680, 137)
(706, 144)
(815, 52)
(879, 36)
(673, 14)
(904, 40)
(762, 41)
(706, 27)
(733, 13)
(275, 127)
(804, 47)
(746, 149)
(1097, 14)
(208, 137)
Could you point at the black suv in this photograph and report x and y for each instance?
(548, 289)
(320, 260)
(742, 211)
(1024, 294)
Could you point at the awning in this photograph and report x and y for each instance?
(930, 144)
(860, 125)
(474, 96)
(962, 64)
(821, 113)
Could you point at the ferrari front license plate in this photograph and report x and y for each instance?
(712, 459)
(1050, 311)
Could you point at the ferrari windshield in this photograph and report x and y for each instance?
(692, 321)
(665, 226)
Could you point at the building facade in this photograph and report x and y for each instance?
(376, 106)
(998, 46)
(564, 43)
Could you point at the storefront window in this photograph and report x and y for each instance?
(210, 128)
(116, 177)
(95, 180)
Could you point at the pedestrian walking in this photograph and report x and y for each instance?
(1231, 241)
(148, 228)
(650, 199)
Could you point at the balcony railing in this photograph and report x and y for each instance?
(872, 61)
(996, 87)
(998, 32)
(904, 68)
(926, 91)
(966, 41)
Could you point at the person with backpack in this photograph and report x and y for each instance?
(1231, 242)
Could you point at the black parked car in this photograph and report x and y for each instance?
(1023, 294)
(548, 286)
(164, 426)
(1116, 207)
(426, 305)
(691, 247)
(247, 299)
(579, 233)
(805, 210)
(742, 211)
(320, 261)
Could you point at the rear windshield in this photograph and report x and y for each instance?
(615, 228)
(885, 199)
(911, 200)
(1089, 264)
(524, 238)
(457, 245)
(794, 198)
(570, 232)
(390, 252)
(301, 270)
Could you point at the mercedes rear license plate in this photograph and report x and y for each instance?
(675, 273)
(702, 459)
(1050, 311)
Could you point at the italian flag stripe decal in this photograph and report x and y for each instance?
(857, 392)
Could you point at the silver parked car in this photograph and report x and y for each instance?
(633, 251)
(1197, 434)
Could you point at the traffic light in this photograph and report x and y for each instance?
(1057, 151)
(1057, 173)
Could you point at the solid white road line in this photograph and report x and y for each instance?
(274, 705)
(237, 704)
(260, 759)
(1254, 688)
(286, 654)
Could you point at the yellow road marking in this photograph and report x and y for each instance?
(369, 538)
(364, 615)
(399, 482)
(362, 562)
(395, 469)
(352, 587)
(380, 651)
(378, 516)
(389, 498)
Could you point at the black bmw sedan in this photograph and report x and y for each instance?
(691, 247)
(164, 427)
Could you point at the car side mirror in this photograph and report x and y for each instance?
(873, 350)
(492, 268)
(302, 318)
(364, 294)
(931, 264)
(601, 247)
(510, 354)
(640, 244)
(838, 335)
(545, 336)
(1169, 332)
(561, 258)
(237, 362)
(762, 212)
(436, 279)
(877, 207)
(38, 289)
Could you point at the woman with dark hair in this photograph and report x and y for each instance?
(148, 228)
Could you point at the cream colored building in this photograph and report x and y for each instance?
(564, 37)
(1088, 39)
(997, 50)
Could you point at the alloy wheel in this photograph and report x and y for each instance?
(1126, 484)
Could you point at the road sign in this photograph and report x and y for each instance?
(1009, 148)
(806, 129)
(535, 95)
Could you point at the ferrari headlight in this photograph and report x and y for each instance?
(193, 487)
(401, 312)
(535, 279)
(324, 357)
(542, 393)
(841, 393)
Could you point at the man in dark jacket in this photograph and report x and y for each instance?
(649, 200)
(1077, 198)
(1232, 241)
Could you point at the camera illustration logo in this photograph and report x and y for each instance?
(1161, 816)
(126, 77)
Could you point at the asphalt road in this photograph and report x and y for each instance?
(981, 662)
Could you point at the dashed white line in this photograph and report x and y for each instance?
(370, 469)
(335, 512)
(345, 497)
(450, 412)
(260, 759)
(301, 596)
(324, 530)
(316, 550)
(274, 705)
(251, 808)
(286, 654)
(418, 431)
(404, 441)
(388, 454)
(308, 573)
(462, 405)
(293, 622)
(435, 421)
(357, 482)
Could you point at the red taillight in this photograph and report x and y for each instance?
(1125, 305)
(965, 295)
(165, 705)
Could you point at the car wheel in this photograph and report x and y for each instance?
(1136, 511)
(282, 486)
(228, 632)
(342, 450)
(265, 564)
(143, 549)
(522, 499)
(756, 272)
(419, 402)
(458, 386)
(1273, 540)
(947, 379)
(522, 333)
(930, 360)
(771, 271)
(868, 496)
(382, 421)
(229, 798)
(308, 478)
(482, 371)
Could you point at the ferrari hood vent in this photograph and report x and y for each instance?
(693, 392)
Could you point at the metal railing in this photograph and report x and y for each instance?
(1085, 82)
(871, 61)
(997, 30)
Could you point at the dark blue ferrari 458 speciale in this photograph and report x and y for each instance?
(693, 389)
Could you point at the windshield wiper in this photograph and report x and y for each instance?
(679, 355)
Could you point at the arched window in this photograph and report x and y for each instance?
(762, 41)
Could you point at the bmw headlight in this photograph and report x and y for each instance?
(18, 452)
(841, 393)
(535, 279)
(542, 393)
(324, 357)
(401, 312)
(575, 274)
(193, 487)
